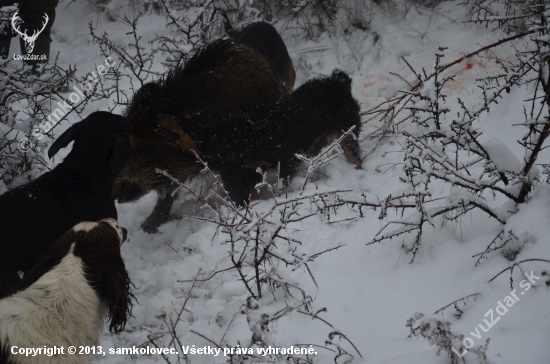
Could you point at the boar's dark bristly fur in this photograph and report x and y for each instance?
(224, 76)
(264, 39)
(261, 136)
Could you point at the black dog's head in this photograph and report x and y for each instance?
(101, 138)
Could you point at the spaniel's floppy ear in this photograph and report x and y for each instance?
(106, 273)
(118, 294)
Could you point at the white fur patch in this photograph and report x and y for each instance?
(85, 226)
(60, 309)
(115, 226)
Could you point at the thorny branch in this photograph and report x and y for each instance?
(452, 151)
(262, 246)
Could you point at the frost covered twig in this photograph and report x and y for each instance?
(198, 196)
(517, 264)
(323, 158)
(438, 332)
(453, 151)
(262, 250)
(389, 111)
(171, 324)
(462, 300)
(135, 58)
(493, 246)
(191, 27)
(33, 102)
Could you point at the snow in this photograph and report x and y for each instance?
(502, 156)
(369, 291)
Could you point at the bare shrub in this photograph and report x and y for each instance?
(308, 17)
(452, 151)
(25, 100)
(438, 332)
(262, 252)
(509, 15)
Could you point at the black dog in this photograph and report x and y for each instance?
(264, 39)
(34, 216)
(302, 122)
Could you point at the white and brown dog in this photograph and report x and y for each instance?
(63, 300)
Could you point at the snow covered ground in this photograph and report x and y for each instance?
(369, 291)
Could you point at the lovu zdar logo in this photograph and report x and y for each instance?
(29, 39)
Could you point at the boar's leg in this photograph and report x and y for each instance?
(236, 182)
(161, 212)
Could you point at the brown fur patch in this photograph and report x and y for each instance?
(140, 177)
(236, 77)
(291, 76)
(185, 142)
(254, 194)
(348, 153)
(324, 141)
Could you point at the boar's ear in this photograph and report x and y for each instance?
(341, 76)
(68, 136)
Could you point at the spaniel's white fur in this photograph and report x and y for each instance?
(61, 308)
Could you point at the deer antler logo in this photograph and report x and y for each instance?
(29, 40)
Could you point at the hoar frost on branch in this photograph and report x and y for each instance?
(452, 152)
(448, 149)
(262, 255)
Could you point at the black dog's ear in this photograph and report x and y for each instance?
(122, 153)
(68, 136)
